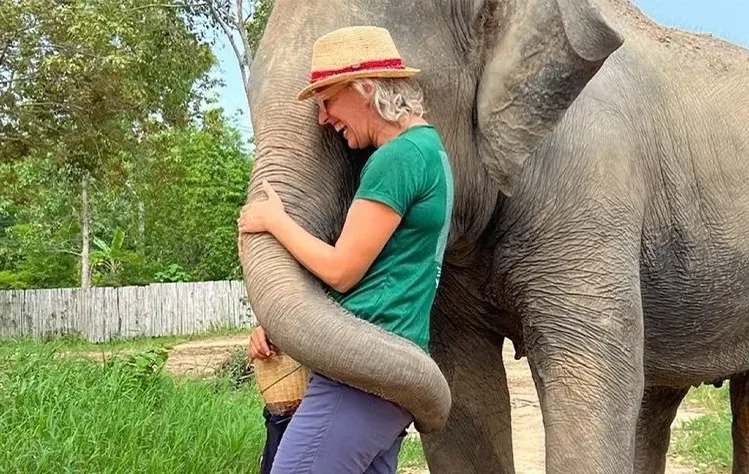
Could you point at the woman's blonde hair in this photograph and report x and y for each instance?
(393, 99)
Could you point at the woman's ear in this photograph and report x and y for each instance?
(542, 53)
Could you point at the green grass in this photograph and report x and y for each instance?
(136, 343)
(411, 454)
(68, 413)
(705, 442)
(73, 415)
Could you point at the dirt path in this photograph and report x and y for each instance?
(201, 357)
(198, 358)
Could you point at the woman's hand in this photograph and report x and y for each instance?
(369, 224)
(258, 216)
(260, 348)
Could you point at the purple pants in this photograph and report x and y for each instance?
(338, 429)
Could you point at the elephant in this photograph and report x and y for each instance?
(600, 224)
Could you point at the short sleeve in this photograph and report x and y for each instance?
(393, 175)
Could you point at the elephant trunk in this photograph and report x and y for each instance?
(315, 178)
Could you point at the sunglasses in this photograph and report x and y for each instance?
(323, 95)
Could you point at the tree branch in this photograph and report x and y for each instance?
(230, 37)
(12, 79)
(5, 51)
(6, 137)
(47, 104)
(240, 4)
(243, 34)
(12, 39)
(165, 5)
(247, 50)
(71, 252)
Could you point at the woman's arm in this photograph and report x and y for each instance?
(368, 227)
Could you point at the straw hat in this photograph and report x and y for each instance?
(353, 53)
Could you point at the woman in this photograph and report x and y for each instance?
(385, 265)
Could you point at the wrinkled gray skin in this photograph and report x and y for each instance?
(601, 224)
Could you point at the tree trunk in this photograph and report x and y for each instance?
(85, 221)
(141, 226)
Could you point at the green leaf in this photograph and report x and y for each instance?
(102, 246)
(117, 240)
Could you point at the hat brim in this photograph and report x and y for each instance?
(307, 92)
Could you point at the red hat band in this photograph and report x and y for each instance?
(394, 63)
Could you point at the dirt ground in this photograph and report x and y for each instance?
(201, 358)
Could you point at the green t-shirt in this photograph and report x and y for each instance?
(411, 174)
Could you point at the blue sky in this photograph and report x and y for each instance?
(728, 19)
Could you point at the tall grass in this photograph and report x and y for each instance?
(62, 414)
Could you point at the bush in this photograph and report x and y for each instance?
(11, 281)
(237, 369)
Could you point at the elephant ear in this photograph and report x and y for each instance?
(541, 54)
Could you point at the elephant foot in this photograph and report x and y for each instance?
(657, 412)
(739, 388)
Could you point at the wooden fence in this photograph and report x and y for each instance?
(99, 314)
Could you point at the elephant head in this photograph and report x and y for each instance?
(497, 76)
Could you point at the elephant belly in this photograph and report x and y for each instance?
(696, 320)
(694, 261)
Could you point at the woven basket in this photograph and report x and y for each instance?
(282, 382)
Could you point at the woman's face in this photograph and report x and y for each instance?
(348, 112)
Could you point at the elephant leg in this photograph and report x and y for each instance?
(478, 435)
(590, 400)
(583, 331)
(657, 413)
(739, 388)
